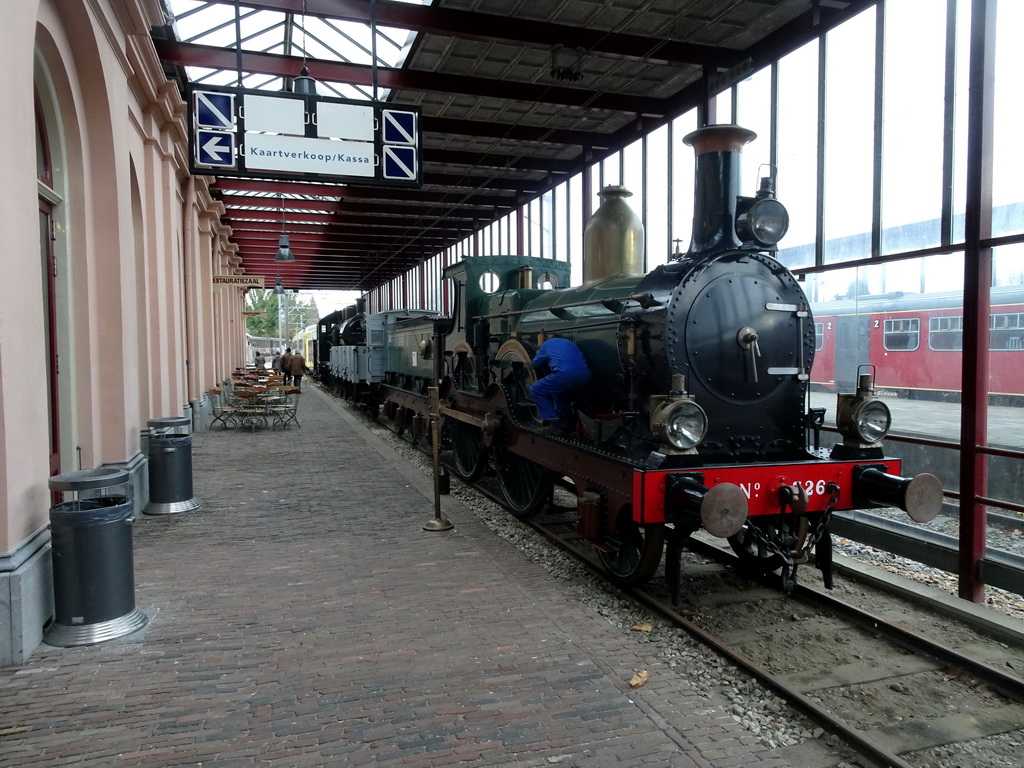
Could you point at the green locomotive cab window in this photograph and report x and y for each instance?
(547, 282)
(489, 282)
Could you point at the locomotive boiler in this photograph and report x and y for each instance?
(696, 416)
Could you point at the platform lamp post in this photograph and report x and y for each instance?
(439, 522)
(284, 254)
(282, 312)
(284, 331)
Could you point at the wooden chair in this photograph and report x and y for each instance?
(251, 411)
(223, 413)
(285, 412)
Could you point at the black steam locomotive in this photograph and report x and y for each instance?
(697, 413)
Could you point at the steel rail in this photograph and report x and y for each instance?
(854, 737)
(1009, 685)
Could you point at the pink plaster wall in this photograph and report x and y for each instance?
(139, 300)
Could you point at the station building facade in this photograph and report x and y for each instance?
(110, 316)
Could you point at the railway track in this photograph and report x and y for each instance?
(858, 678)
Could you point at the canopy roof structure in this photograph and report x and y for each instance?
(515, 97)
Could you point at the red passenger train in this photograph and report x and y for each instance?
(914, 340)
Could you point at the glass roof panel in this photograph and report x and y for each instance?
(207, 22)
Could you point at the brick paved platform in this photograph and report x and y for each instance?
(302, 617)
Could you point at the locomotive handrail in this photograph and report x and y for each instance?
(643, 299)
(595, 324)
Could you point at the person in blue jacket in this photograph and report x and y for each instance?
(567, 372)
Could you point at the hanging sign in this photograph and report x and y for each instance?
(270, 135)
(242, 281)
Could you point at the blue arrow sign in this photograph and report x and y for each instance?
(399, 127)
(214, 109)
(399, 163)
(215, 148)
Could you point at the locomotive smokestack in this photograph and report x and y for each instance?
(613, 242)
(716, 186)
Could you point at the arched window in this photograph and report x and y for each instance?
(48, 265)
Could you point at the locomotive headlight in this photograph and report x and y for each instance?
(872, 421)
(765, 222)
(680, 423)
(865, 420)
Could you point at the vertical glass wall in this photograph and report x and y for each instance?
(634, 175)
(1008, 160)
(797, 180)
(575, 230)
(564, 221)
(721, 108)
(681, 224)
(547, 219)
(961, 75)
(611, 172)
(1005, 422)
(849, 72)
(913, 102)
(657, 194)
(534, 228)
(754, 111)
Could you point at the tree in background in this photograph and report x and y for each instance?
(265, 301)
(302, 311)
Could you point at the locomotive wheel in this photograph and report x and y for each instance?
(517, 373)
(754, 553)
(469, 455)
(636, 552)
(526, 486)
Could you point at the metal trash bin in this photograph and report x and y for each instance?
(170, 467)
(93, 564)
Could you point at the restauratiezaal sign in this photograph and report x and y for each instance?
(242, 281)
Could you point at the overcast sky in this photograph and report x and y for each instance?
(330, 301)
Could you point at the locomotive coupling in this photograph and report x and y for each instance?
(919, 496)
(721, 510)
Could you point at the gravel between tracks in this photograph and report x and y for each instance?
(760, 711)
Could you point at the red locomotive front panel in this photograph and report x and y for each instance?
(759, 484)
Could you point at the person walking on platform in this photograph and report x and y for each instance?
(567, 372)
(286, 367)
(275, 364)
(261, 361)
(297, 365)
